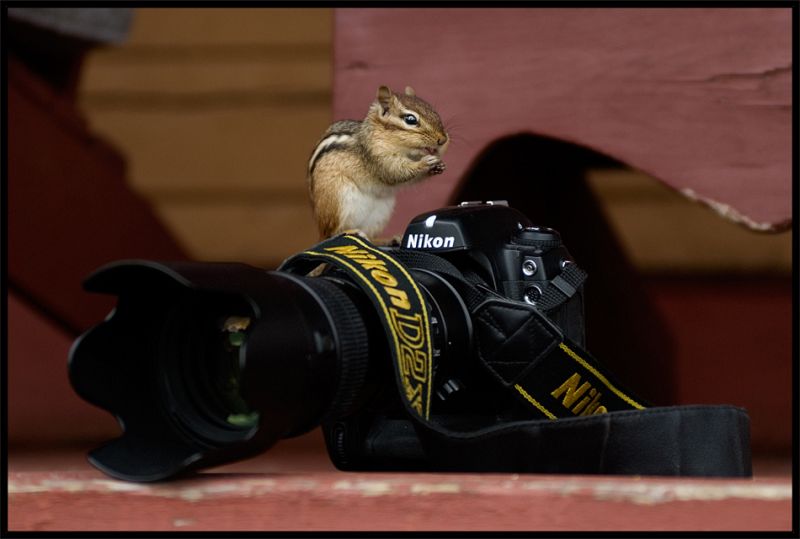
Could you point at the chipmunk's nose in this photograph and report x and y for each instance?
(442, 140)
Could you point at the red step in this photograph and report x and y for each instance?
(294, 487)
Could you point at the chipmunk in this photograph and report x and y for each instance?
(357, 166)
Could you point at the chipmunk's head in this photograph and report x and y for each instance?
(412, 120)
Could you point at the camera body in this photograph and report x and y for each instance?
(495, 247)
(204, 363)
(461, 349)
(504, 250)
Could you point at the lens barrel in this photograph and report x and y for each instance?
(207, 363)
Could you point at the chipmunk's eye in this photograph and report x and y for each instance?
(410, 119)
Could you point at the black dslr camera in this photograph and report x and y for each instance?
(461, 349)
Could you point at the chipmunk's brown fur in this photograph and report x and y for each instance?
(356, 167)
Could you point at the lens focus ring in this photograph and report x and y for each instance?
(353, 344)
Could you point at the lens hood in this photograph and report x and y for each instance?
(125, 364)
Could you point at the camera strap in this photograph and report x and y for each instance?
(558, 378)
(582, 419)
(398, 300)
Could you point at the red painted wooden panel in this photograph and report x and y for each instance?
(70, 209)
(42, 407)
(733, 344)
(699, 98)
(293, 488)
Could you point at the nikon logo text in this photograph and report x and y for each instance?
(405, 318)
(573, 390)
(426, 241)
(377, 270)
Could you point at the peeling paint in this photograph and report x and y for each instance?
(762, 74)
(657, 493)
(632, 490)
(366, 488)
(250, 487)
(435, 488)
(732, 214)
(567, 487)
(649, 492)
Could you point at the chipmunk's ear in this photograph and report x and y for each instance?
(410, 91)
(384, 98)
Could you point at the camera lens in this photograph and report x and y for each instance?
(200, 350)
(208, 363)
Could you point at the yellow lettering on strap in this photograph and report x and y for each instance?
(410, 331)
(424, 316)
(600, 377)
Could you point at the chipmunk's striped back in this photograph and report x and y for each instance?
(339, 135)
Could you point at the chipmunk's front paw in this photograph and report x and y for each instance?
(435, 164)
(438, 168)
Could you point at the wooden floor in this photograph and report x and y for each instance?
(294, 487)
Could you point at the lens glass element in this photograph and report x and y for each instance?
(202, 351)
(234, 334)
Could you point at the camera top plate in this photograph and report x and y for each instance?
(464, 227)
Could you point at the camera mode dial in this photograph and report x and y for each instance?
(543, 237)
